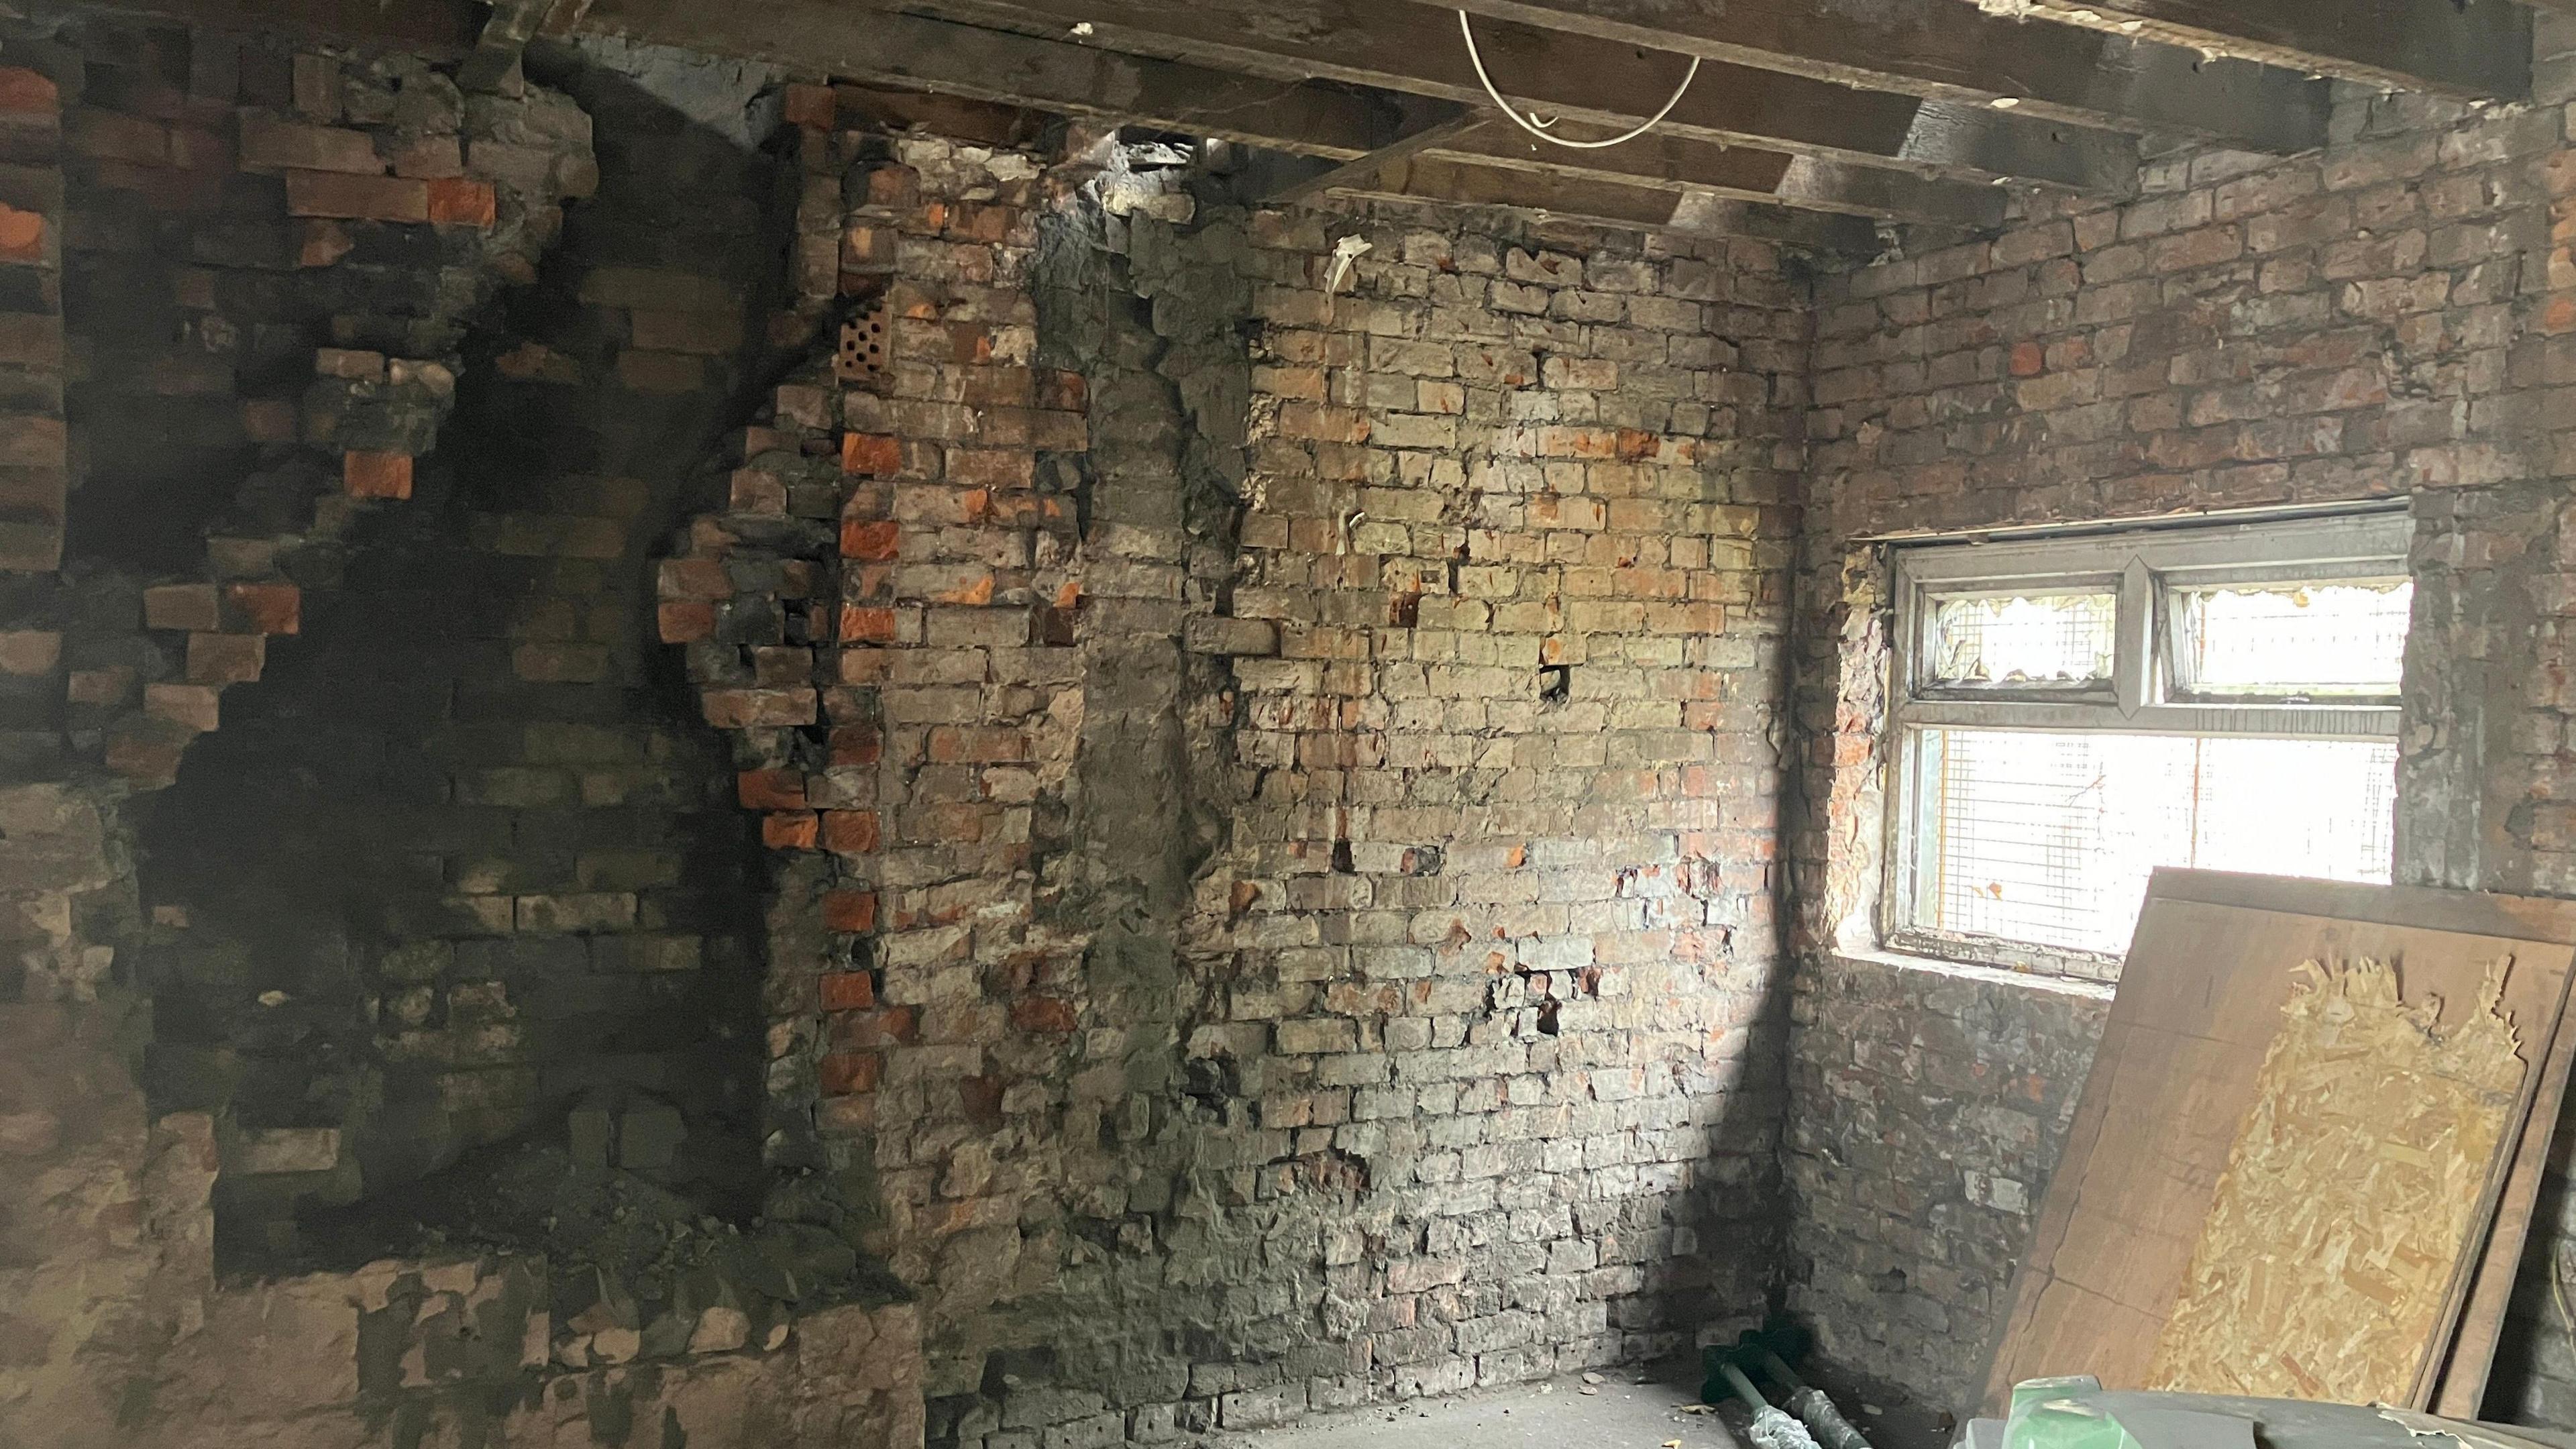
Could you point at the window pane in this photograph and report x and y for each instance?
(2276, 640)
(2048, 838)
(2006, 639)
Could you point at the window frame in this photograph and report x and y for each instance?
(2140, 565)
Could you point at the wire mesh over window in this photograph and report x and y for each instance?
(2049, 837)
(2289, 641)
(2054, 639)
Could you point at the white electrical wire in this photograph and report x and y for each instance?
(1539, 129)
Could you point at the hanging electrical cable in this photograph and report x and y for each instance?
(1539, 128)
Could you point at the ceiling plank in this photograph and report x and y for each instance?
(1952, 50)
(1393, 45)
(441, 29)
(1433, 179)
(1421, 138)
(2475, 49)
(1741, 173)
(1305, 118)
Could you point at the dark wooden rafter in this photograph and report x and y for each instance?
(1299, 117)
(1436, 179)
(1952, 50)
(1450, 129)
(2474, 49)
(1397, 46)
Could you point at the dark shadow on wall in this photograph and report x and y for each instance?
(461, 879)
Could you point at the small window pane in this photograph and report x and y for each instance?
(2276, 641)
(2001, 640)
(2048, 838)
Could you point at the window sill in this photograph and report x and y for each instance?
(2069, 986)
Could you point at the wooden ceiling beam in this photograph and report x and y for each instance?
(1431, 178)
(1397, 46)
(440, 29)
(1952, 50)
(2474, 49)
(1304, 118)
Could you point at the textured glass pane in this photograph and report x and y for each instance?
(2007, 639)
(2048, 838)
(2275, 640)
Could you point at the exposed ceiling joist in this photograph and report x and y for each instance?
(442, 29)
(2475, 49)
(1412, 143)
(1953, 51)
(1397, 46)
(1436, 179)
(1304, 118)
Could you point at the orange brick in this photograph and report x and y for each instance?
(22, 235)
(771, 789)
(848, 990)
(456, 201)
(847, 1072)
(860, 624)
(361, 198)
(269, 608)
(788, 830)
(377, 475)
(851, 911)
(870, 540)
(873, 454)
(2028, 359)
(851, 832)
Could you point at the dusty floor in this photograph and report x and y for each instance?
(1619, 1413)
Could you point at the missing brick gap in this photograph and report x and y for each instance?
(1556, 683)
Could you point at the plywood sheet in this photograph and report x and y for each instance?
(2177, 1074)
(2355, 1189)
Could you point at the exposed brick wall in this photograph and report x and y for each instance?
(1306, 804)
(2378, 320)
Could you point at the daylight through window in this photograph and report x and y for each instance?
(2071, 714)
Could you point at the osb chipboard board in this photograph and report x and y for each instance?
(2175, 1077)
(2357, 1188)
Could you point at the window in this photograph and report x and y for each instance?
(2071, 713)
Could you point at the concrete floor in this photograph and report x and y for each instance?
(1619, 1413)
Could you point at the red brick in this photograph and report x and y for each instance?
(357, 198)
(870, 539)
(846, 1072)
(856, 745)
(871, 454)
(851, 911)
(225, 658)
(456, 201)
(847, 990)
(686, 622)
(693, 578)
(788, 830)
(770, 789)
(851, 832)
(269, 608)
(2028, 359)
(806, 105)
(377, 475)
(1044, 1013)
(26, 92)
